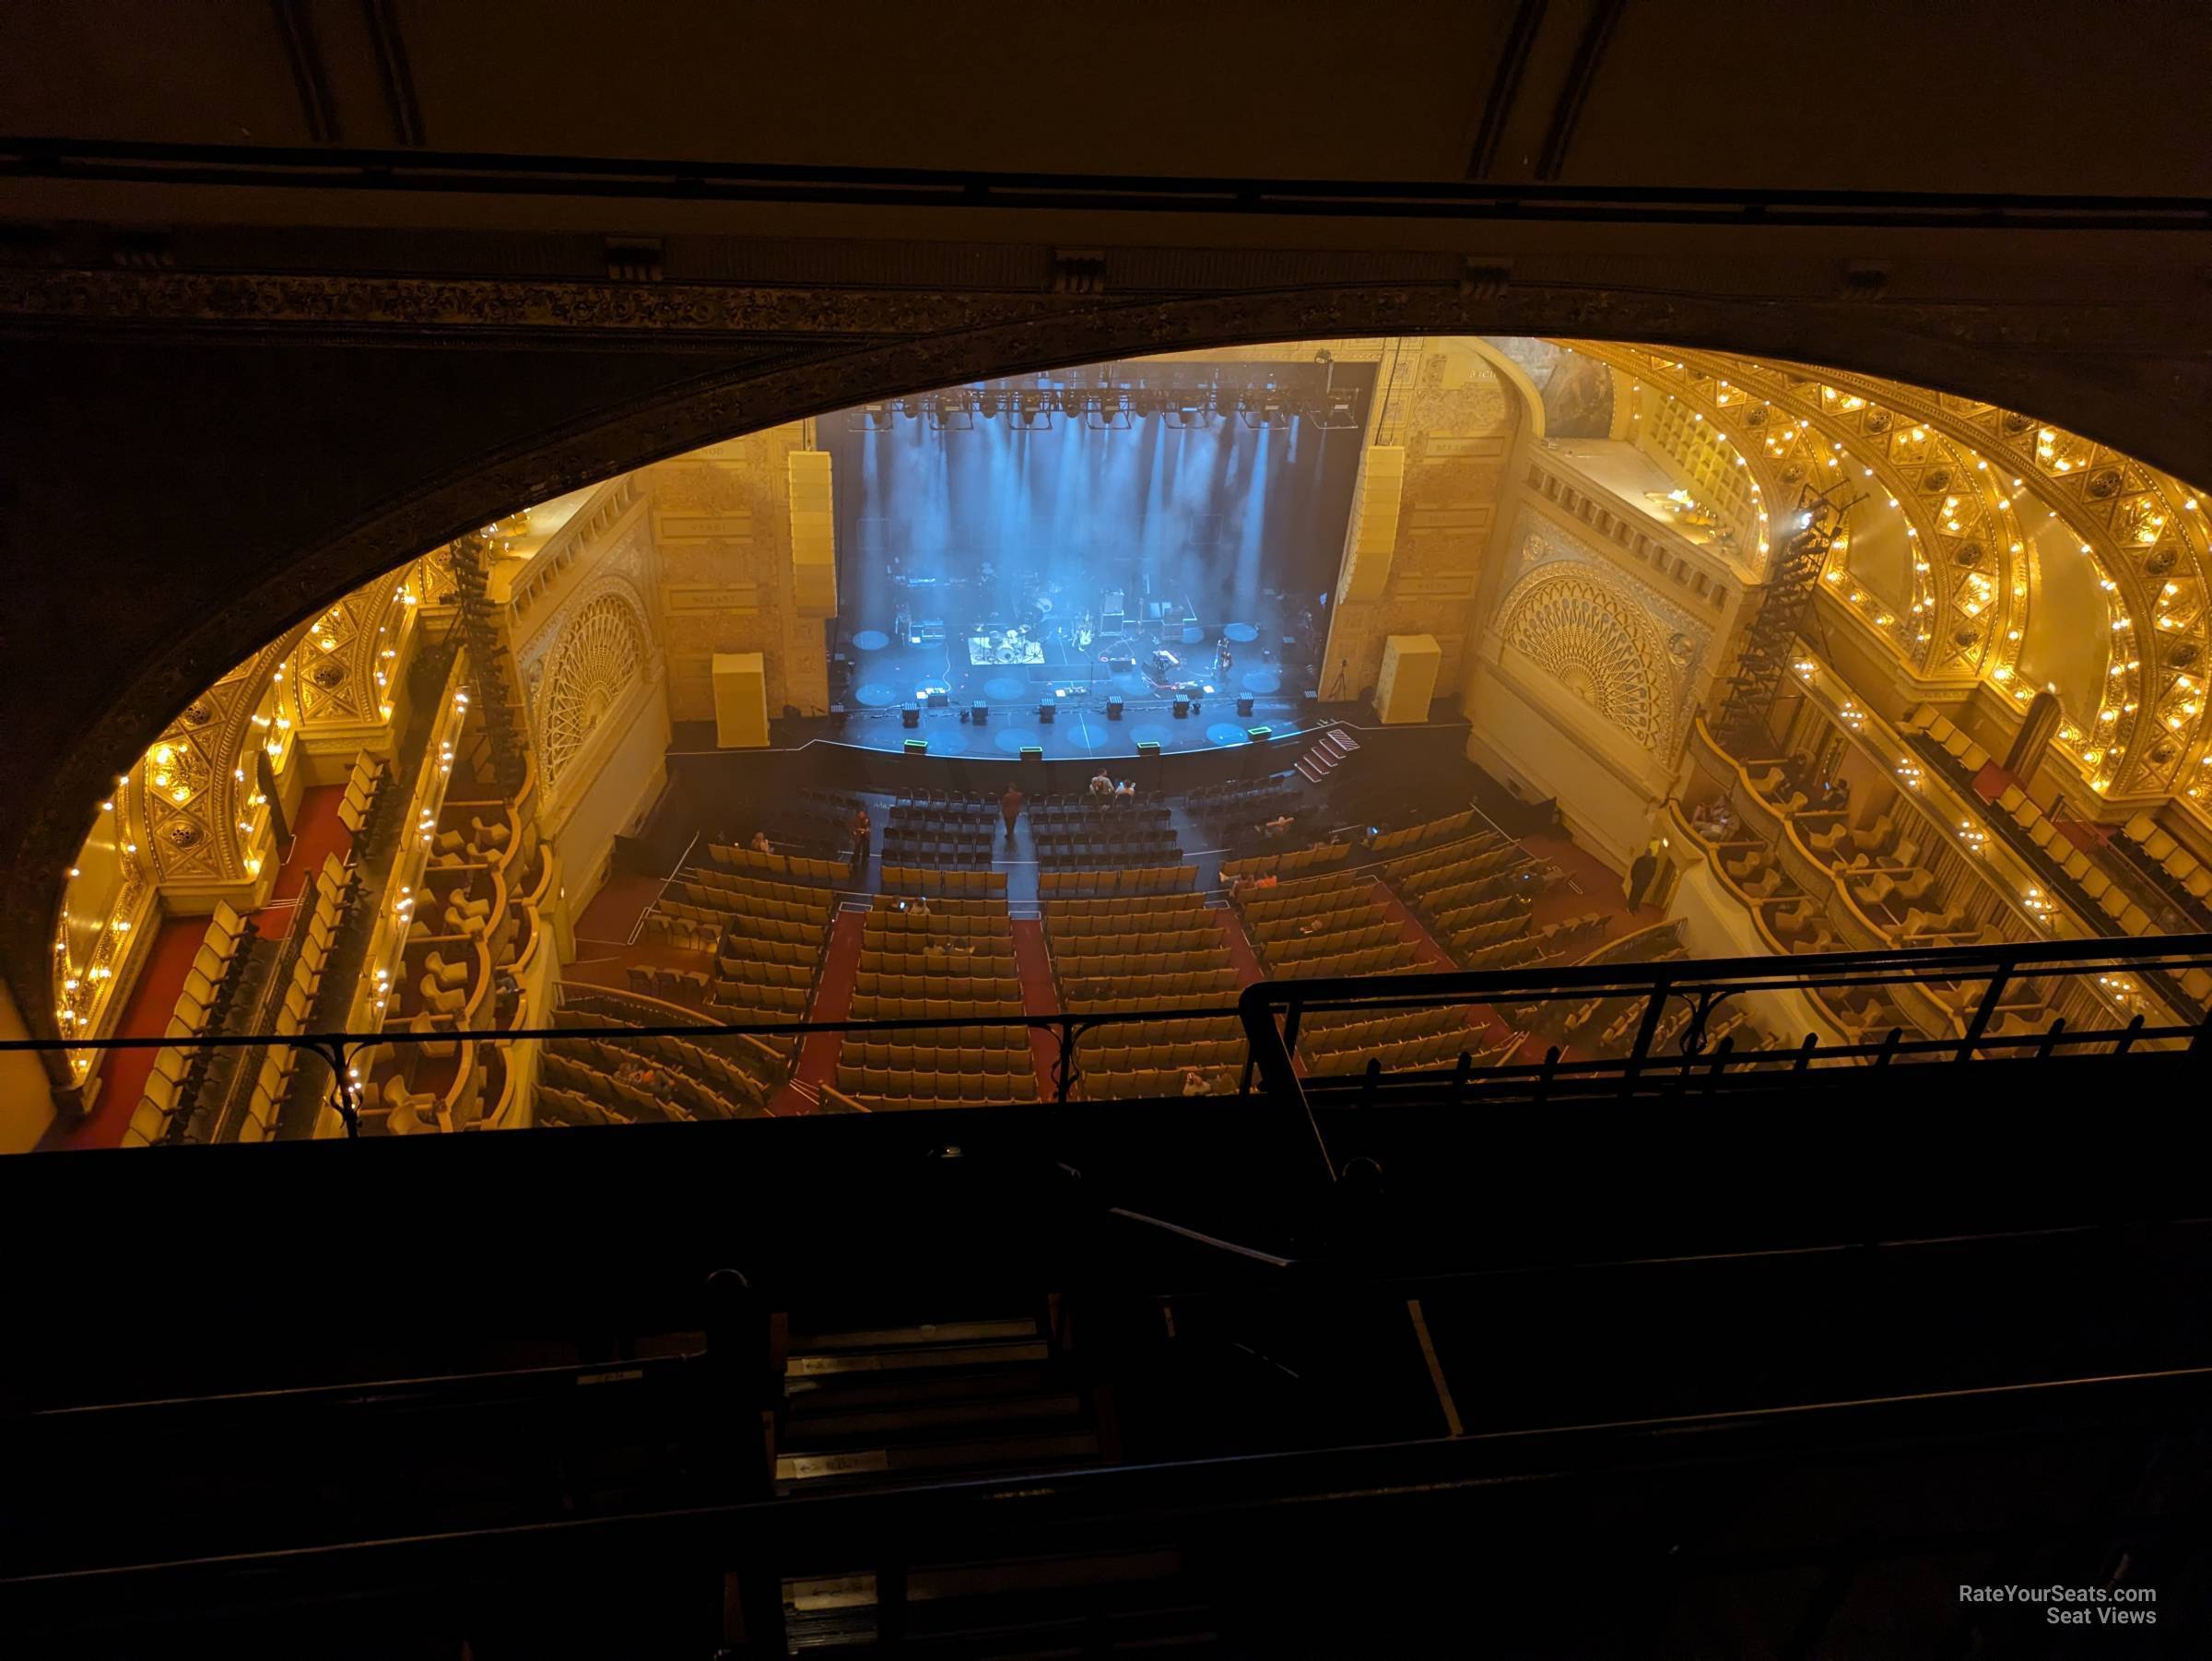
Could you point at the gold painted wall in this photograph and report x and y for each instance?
(1455, 420)
(721, 523)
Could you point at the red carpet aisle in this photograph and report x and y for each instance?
(316, 833)
(832, 1001)
(1034, 963)
(1240, 948)
(145, 1014)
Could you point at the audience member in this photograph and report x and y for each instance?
(1101, 783)
(761, 845)
(1010, 806)
(1193, 1082)
(1125, 790)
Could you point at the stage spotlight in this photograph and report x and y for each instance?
(869, 417)
(1029, 412)
(987, 406)
(1336, 412)
(1110, 414)
(950, 413)
(915, 409)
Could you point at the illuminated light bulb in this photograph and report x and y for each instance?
(71, 870)
(107, 807)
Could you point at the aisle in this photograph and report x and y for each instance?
(1040, 996)
(832, 1001)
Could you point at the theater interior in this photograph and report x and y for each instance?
(1029, 897)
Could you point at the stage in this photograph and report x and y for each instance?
(888, 674)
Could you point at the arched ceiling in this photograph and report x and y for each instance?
(1974, 484)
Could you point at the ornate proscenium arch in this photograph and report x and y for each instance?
(764, 356)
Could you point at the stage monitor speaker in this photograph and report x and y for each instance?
(1047, 710)
(1114, 709)
(1183, 708)
(740, 700)
(940, 700)
(1032, 753)
(1259, 734)
(1408, 679)
(1244, 704)
(1148, 748)
(917, 747)
(910, 714)
(981, 714)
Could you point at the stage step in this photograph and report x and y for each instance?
(1343, 741)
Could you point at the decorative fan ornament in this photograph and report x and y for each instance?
(590, 669)
(1582, 636)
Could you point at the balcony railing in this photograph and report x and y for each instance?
(1676, 1044)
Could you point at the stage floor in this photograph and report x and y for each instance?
(888, 674)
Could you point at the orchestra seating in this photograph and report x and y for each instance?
(1085, 838)
(950, 961)
(1232, 814)
(955, 833)
(780, 868)
(1321, 857)
(1130, 955)
(767, 938)
(1474, 894)
(601, 1076)
(1155, 879)
(934, 884)
(1332, 925)
(1607, 1026)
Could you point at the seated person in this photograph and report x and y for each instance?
(1275, 828)
(1125, 790)
(1193, 1082)
(760, 844)
(1100, 785)
(1835, 796)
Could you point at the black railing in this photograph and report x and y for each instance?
(1271, 1012)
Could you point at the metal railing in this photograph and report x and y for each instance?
(1271, 1013)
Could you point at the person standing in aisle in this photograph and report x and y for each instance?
(1009, 807)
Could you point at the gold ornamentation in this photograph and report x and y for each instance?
(592, 664)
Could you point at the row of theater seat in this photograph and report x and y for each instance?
(794, 868)
(920, 880)
(1150, 880)
(952, 960)
(1429, 1051)
(177, 1073)
(743, 1070)
(1299, 862)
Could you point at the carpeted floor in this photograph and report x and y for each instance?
(1240, 947)
(1040, 996)
(316, 834)
(145, 1014)
(832, 1001)
(614, 912)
